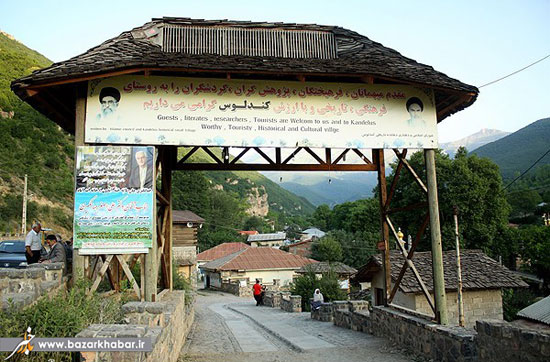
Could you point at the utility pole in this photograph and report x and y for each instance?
(24, 217)
(459, 271)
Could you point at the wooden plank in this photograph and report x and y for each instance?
(394, 181)
(413, 268)
(378, 155)
(79, 119)
(282, 167)
(161, 198)
(342, 155)
(241, 154)
(212, 155)
(102, 271)
(409, 256)
(362, 156)
(314, 155)
(291, 156)
(188, 155)
(142, 276)
(264, 156)
(129, 275)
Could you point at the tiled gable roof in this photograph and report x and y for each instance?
(141, 48)
(258, 259)
(324, 267)
(221, 250)
(478, 271)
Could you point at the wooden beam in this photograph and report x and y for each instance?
(361, 155)
(378, 155)
(80, 116)
(291, 156)
(265, 157)
(394, 181)
(241, 154)
(410, 254)
(188, 154)
(342, 155)
(129, 275)
(314, 155)
(275, 167)
(413, 268)
(417, 179)
(212, 155)
(102, 271)
(161, 198)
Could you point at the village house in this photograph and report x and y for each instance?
(302, 248)
(482, 278)
(273, 240)
(536, 315)
(184, 241)
(343, 271)
(235, 273)
(312, 234)
(219, 251)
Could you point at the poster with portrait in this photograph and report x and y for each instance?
(114, 204)
(159, 110)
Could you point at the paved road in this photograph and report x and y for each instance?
(232, 329)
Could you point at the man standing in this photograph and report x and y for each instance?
(141, 175)
(33, 244)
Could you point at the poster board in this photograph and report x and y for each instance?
(159, 110)
(114, 199)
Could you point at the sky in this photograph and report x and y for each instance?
(475, 42)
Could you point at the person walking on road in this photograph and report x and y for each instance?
(257, 291)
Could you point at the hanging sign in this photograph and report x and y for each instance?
(113, 212)
(258, 113)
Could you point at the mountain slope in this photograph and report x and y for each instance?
(473, 141)
(519, 150)
(31, 144)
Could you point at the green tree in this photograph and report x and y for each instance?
(472, 183)
(305, 285)
(523, 202)
(321, 217)
(256, 223)
(357, 247)
(327, 249)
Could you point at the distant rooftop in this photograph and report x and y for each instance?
(267, 237)
(221, 250)
(539, 311)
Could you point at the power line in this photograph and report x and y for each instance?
(516, 72)
(530, 167)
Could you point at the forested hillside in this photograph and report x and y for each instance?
(31, 144)
(516, 152)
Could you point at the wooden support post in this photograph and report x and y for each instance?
(378, 156)
(437, 254)
(169, 161)
(151, 266)
(78, 260)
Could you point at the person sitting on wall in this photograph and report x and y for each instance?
(57, 251)
(257, 291)
(318, 299)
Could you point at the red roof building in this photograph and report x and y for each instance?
(220, 251)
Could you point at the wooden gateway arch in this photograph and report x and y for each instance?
(275, 89)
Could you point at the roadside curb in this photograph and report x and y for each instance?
(283, 339)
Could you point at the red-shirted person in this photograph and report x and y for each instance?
(257, 290)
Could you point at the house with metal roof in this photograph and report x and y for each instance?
(273, 267)
(482, 278)
(273, 240)
(538, 312)
(311, 233)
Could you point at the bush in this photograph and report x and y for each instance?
(306, 284)
(180, 282)
(62, 315)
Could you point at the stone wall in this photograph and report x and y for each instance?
(23, 287)
(167, 322)
(478, 304)
(272, 299)
(498, 340)
(291, 303)
(421, 336)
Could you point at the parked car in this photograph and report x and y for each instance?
(12, 254)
